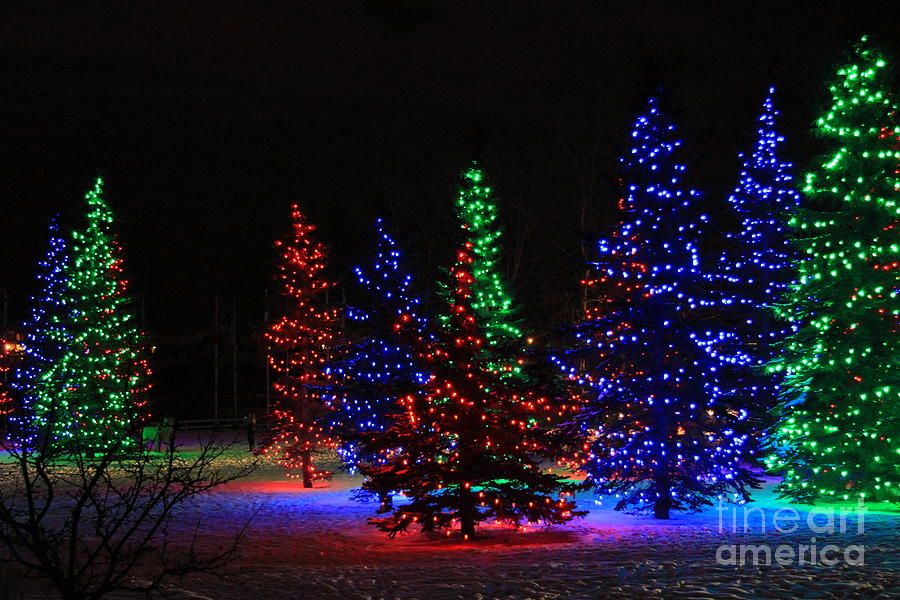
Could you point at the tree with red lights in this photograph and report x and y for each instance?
(7, 357)
(302, 342)
(467, 447)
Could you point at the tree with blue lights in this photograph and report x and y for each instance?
(757, 267)
(377, 368)
(46, 338)
(662, 432)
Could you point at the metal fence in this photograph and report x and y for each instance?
(209, 424)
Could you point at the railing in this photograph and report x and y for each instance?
(188, 424)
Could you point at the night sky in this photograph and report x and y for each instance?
(207, 119)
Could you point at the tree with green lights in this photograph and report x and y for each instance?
(492, 304)
(836, 437)
(90, 396)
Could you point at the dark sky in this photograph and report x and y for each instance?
(208, 119)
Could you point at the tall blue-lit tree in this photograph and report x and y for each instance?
(758, 264)
(46, 338)
(662, 432)
(377, 368)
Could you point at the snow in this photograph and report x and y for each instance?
(315, 543)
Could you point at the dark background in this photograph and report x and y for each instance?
(207, 119)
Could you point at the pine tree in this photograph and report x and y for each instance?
(662, 432)
(757, 266)
(377, 369)
(45, 337)
(8, 356)
(91, 370)
(837, 432)
(493, 305)
(302, 346)
(467, 446)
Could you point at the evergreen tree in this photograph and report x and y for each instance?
(662, 431)
(45, 337)
(757, 266)
(467, 446)
(837, 432)
(302, 346)
(377, 369)
(86, 386)
(46, 340)
(8, 357)
(493, 306)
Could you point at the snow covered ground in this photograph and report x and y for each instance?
(316, 544)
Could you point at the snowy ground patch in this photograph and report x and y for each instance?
(316, 544)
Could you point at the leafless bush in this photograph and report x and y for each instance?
(93, 523)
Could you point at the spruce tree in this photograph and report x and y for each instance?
(662, 431)
(377, 368)
(46, 337)
(757, 266)
(92, 366)
(467, 446)
(493, 305)
(836, 437)
(303, 343)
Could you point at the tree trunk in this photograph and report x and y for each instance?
(663, 503)
(467, 522)
(307, 466)
(466, 513)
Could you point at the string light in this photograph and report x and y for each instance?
(492, 304)
(467, 446)
(836, 435)
(377, 370)
(661, 430)
(757, 266)
(301, 345)
(87, 368)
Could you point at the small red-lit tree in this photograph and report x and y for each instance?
(8, 356)
(302, 343)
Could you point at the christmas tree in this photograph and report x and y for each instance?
(662, 433)
(757, 265)
(377, 369)
(91, 367)
(8, 357)
(492, 303)
(302, 346)
(46, 338)
(467, 447)
(837, 432)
